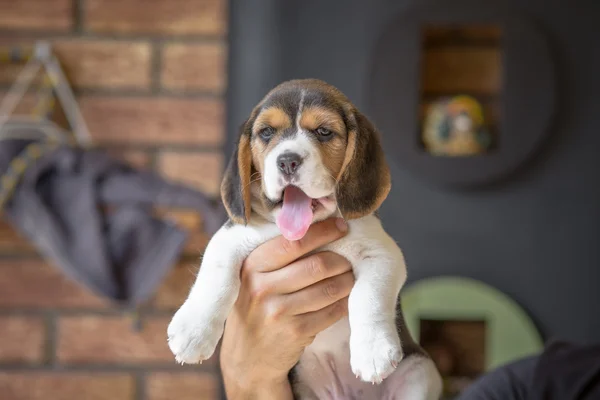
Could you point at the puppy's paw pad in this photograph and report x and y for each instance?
(374, 360)
(193, 338)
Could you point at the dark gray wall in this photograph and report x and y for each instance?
(535, 236)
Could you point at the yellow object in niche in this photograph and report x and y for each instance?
(455, 127)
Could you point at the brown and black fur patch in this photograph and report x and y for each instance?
(364, 181)
(275, 118)
(333, 149)
(235, 187)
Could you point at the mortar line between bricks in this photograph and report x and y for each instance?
(78, 13)
(32, 256)
(51, 338)
(140, 386)
(153, 156)
(207, 149)
(180, 148)
(156, 67)
(32, 34)
(18, 256)
(142, 93)
(111, 311)
(111, 368)
(158, 91)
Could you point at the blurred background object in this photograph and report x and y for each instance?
(455, 127)
(150, 78)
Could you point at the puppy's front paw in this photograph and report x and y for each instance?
(375, 354)
(193, 335)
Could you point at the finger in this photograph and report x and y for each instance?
(319, 295)
(312, 323)
(306, 271)
(279, 252)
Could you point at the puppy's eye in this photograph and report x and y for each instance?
(266, 133)
(324, 132)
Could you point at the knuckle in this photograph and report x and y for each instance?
(290, 247)
(257, 294)
(315, 266)
(331, 289)
(259, 291)
(275, 310)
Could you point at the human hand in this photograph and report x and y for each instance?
(283, 303)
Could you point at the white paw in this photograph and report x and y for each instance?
(193, 335)
(376, 354)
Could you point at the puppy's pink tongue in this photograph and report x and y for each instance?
(296, 214)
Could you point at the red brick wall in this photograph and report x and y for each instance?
(150, 78)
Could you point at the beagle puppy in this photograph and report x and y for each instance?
(306, 154)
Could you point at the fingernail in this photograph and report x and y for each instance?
(341, 224)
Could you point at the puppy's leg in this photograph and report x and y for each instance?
(198, 325)
(380, 272)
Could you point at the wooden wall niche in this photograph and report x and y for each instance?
(487, 49)
(461, 72)
(457, 347)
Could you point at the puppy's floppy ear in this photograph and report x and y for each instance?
(235, 187)
(364, 180)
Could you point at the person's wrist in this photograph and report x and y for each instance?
(253, 386)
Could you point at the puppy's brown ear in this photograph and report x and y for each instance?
(235, 187)
(364, 180)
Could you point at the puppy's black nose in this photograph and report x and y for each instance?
(288, 163)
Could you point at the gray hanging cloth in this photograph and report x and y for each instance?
(89, 214)
(93, 216)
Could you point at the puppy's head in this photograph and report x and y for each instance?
(304, 154)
